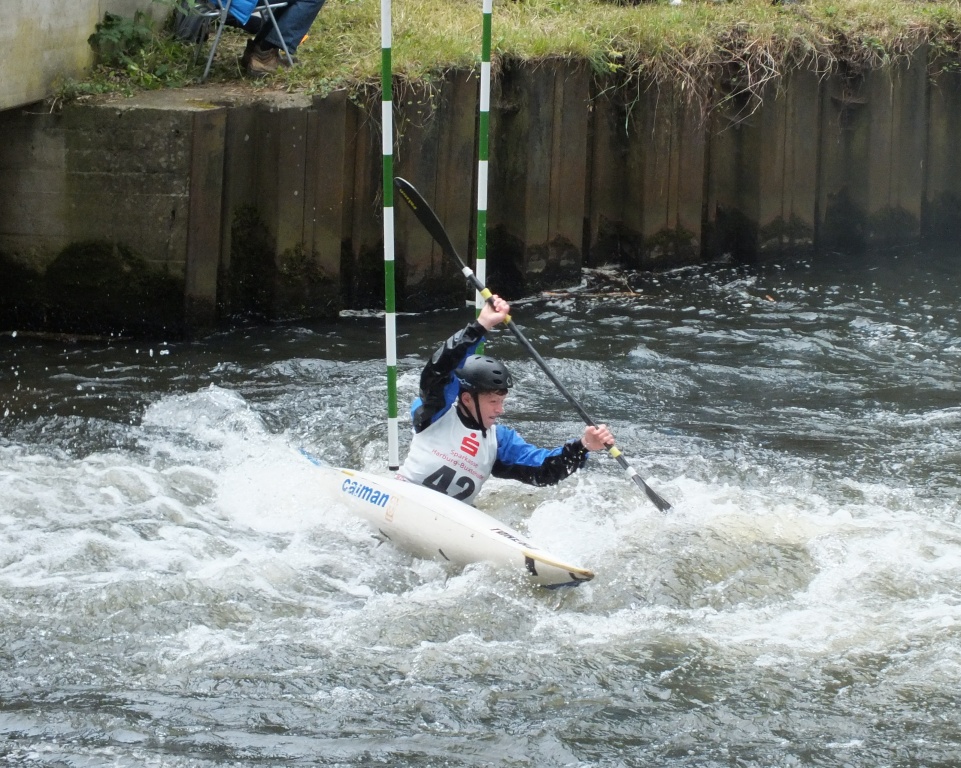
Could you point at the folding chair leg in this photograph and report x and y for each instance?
(273, 20)
(220, 31)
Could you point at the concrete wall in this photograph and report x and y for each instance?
(271, 203)
(43, 42)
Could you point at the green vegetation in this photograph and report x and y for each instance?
(743, 44)
(133, 54)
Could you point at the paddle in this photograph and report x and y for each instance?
(432, 224)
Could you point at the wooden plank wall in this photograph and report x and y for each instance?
(272, 207)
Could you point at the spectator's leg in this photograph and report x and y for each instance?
(294, 22)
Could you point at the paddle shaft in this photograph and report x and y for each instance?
(613, 450)
(432, 224)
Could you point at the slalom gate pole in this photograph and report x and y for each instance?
(390, 312)
(483, 132)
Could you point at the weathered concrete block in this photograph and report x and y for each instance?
(762, 181)
(34, 202)
(331, 125)
(787, 186)
(674, 167)
(872, 157)
(436, 153)
(44, 41)
(118, 173)
(363, 262)
(102, 288)
(537, 171)
(111, 184)
(941, 211)
(203, 219)
(647, 177)
(282, 223)
(128, 175)
(615, 172)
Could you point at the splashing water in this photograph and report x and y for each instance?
(175, 591)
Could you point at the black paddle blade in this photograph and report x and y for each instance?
(659, 502)
(426, 216)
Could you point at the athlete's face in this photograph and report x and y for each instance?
(491, 406)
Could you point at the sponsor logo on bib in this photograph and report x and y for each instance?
(470, 445)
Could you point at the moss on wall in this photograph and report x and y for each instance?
(94, 287)
(103, 287)
(246, 285)
(302, 285)
(21, 295)
(943, 218)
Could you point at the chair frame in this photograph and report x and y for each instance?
(222, 13)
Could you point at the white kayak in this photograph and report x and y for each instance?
(431, 525)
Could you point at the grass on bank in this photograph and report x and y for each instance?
(744, 43)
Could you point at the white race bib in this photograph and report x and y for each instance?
(451, 458)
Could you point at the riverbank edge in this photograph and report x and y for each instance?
(223, 206)
(713, 50)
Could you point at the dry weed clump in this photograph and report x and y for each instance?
(741, 51)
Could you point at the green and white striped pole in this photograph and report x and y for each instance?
(390, 312)
(483, 129)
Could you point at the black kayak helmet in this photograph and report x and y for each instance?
(481, 373)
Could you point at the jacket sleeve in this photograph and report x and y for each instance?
(438, 388)
(519, 460)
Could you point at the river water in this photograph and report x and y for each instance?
(174, 592)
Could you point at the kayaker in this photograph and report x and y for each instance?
(457, 443)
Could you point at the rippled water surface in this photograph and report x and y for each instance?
(174, 590)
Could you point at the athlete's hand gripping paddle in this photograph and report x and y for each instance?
(432, 224)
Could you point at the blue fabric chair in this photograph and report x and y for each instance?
(240, 11)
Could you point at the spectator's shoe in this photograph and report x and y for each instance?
(264, 61)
